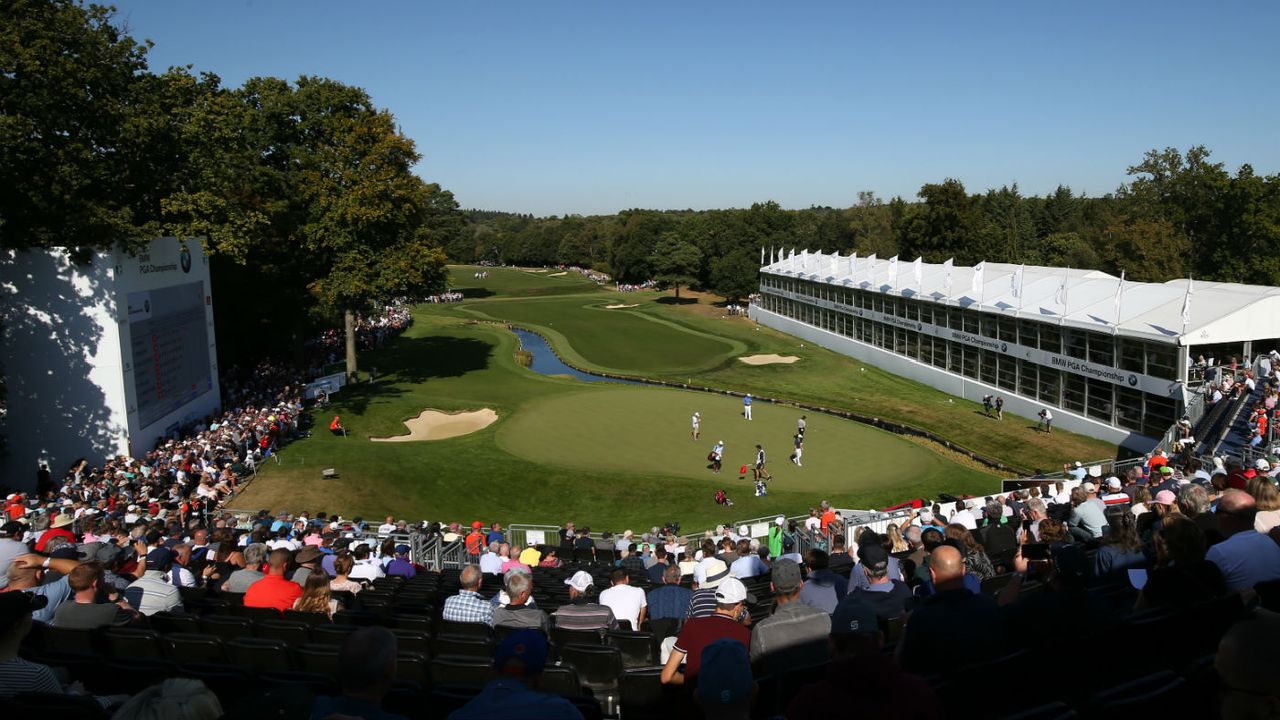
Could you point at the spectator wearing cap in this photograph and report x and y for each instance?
(518, 613)
(775, 536)
(1246, 557)
(153, 592)
(16, 674)
(514, 692)
(861, 681)
(367, 567)
(83, 611)
(468, 606)
(706, 579)
(1086, 519)
(274, 590)
(669, 601)
(1164, 480)
(475, 542)
(822, 588)
(57, 528)
(366, 670)
(1091, 488)
(239, 581)
(1078, 472)
(951, 620)
(997, 537)
(400, 565)
(582, 612)
(27, 574)
(857, 578)
(1114, 493)
(699, 632)
(795, 634)
(627, 602)
(725, 686)
(889, 597)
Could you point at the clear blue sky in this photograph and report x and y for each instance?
(561, 107)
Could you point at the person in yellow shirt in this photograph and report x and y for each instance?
(530, 556)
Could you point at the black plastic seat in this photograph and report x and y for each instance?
(291, 633)
(193, 648)
(462, 647)
(55, 705)
(317, 683)
(637, 648)
(228, 682)
(132, 643)
(67, 640)
(416, 623)
(129, 676)
(258, 655)
(561, 637)
(171, 622)
(226, 627)
(599, 667)
(411, 641)
(308, 618)
(561, 679)
(414, 667)
(644, 697)
(461, 629)
(1049, 711)
(316, 658)
(1154, 695)
(461, 671)
(256, 613)
(331, 634)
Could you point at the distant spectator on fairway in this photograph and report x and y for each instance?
(746, 406)
(697, 426)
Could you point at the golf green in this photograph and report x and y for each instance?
(647, 430)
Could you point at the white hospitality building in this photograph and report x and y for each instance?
(1111, 358)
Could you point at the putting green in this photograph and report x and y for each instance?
(647, 430)
(627, 340)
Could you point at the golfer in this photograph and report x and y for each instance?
(760, 472)
(800, 424)
(697, 421)
(717, 456)
(746, 406)
(1046, 418)
(795, 458)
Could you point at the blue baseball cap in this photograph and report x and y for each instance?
(725, 675)
(854, 617)
(528, 646)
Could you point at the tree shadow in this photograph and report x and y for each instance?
(669, 300)
(53, 314)
(413, 361)
(473, 293)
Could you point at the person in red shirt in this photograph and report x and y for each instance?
(475, 539)
(57, 528)
(274, 590)
(698, 633)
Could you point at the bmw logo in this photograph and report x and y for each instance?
(184, 258)
(1004, 347)
(1133, 381)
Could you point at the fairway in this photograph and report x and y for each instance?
(647, 430)
(517, 282)
(631, 340)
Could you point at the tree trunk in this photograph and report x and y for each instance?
(677, 291)
(349, 324)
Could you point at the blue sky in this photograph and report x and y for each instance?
(592, 107)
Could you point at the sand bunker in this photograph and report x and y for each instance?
(557, 274)
(618, 307)
(768, 359)
(436, 425)
(536, 270)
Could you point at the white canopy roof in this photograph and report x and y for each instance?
(1094, 300)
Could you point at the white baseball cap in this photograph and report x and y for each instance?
(580, 581)
(1090, 487)
(779, 520)
(731, 590)
(1113, 482)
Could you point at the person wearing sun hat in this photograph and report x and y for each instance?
(582, 612)
(58, 527)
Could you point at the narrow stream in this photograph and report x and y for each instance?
(545, 362)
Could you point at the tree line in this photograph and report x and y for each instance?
(1180, 215)
(303, 192)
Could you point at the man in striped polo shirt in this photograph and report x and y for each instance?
(582, 612)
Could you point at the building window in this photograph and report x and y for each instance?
(971, 362)
(939, 357)
(969, 318)
(1102, 349)
(1008, 329)
(1050, 338)
(1101, 399)
(989, 324)
(1028, 333)
(1077, 344)
(1159, 415)
(1050, 386)
(1073, 392)
(1131, 357)
(1007, 373)
(1027, 380)
(988, 364)
(1162, 361)
(954, 320)
(900, 341)
(1129, 409)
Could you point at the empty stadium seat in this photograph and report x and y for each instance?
(638, 648)
(171, 622)
(193, 647)
(54, 705)
(256, 613)
(1158, 694)
(310, 618)
(561, 679)
(643, 696)
(258, 655)
(463, 646)
(316, 658)
(291, 633)
(599, 667)
(225, 627)
(411, 641)
(414, 667)
(129, 642)
(331, 634)
(461, 671)
(461, 629)
(561, 637)
(1050, 711)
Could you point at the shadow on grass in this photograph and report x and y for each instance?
(413, 361)
(667, 300)
(475, 293)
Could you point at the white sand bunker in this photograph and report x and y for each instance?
(557, 274)
(768, 359)
(536, 270)
(436, 425)
(619, 307)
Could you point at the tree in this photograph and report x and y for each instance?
(735, 275)
(944, 226)
(676, 262)
(68, 86)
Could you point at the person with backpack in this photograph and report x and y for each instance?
(716, 456)
(775, 537)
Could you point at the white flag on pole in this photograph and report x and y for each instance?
(762, 255)
(948, 269)
(1119, 297)
(1060, 297)
(917, 273)
(893, 272)
(979, 280)
(835, 263)
(853, 264)
(871, 268)
(1186, 305)
(1015, 282)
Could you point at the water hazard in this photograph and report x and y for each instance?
(545, 362)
